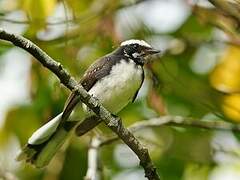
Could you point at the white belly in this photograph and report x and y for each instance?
(117, 89)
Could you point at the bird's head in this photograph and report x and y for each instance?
(137, 50)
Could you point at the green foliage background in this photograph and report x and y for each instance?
(172, 87)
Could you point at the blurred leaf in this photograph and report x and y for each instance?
(231, 106)
(94, 32)
(191, 145)
(168, 165)
(214, 17)
(40, 9)
(155, 101)
(37, 12)
(29, 173)
(79, 7)
(75, 165)
(21, 121)
(184, 92)
(196, 172)
(226, 75)
(194, 31)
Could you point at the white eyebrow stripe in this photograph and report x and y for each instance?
(135, 41)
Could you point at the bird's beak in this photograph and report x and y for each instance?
(151, 51)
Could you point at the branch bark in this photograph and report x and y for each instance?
(230, 7)
(114, 123)
(179, 122)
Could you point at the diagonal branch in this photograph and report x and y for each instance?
(114, 123)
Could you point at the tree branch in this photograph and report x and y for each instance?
(114, 123)
(179, 122)
(230, 7)
(78, 20)
(94, 171)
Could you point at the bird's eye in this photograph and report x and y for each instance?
(135, 47)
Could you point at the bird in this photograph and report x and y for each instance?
(114, 80)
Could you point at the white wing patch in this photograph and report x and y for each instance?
(136, 41)
(43, 133)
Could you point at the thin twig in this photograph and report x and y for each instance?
(78, 20)
(82, 19)
(93, 171)
(179, 122)
(114, 123)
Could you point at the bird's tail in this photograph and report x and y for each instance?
(45, 142)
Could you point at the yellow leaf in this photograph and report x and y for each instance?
(226, 76)
(231, 106)
(39, 9)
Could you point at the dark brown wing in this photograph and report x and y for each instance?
(135, 95)
(95, 72)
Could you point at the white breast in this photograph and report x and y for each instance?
(118, 88)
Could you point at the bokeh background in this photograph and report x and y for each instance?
(197, 75)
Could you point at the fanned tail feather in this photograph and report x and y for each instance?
(45, 142)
